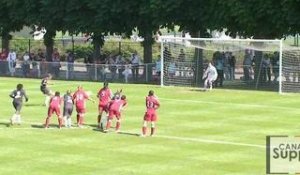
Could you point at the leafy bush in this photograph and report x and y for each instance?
(81, 51)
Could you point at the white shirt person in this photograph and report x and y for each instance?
(11, 60)
(210, 75)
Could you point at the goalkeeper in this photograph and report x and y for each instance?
(210, 75)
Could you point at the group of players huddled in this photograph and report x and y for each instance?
(109, 103)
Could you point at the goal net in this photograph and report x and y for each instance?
(240, 63)
(290, 70)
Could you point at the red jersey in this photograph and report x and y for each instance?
(116, 105)
(3, 56)
(80, 97)
(104, 96)
(55, 102)
(152, 103)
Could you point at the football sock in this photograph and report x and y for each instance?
(80, 120)
(144, 130)
(47, 100)
(66, 121)
(59, 122)
(69, 122)
(152, 131)
(108, 124)
(77, 118)
(13, 119)
(99, 119)
(118, 124)
(47, 122)
(18, 119)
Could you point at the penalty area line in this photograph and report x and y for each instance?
(232, 104)
(210, 141)
(42, 128)
(189, 139)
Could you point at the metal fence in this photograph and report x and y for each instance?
(81, 47)
(237, 77)
(144, 73)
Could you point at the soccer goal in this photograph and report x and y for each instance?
(241, 63)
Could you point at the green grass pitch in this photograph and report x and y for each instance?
(218, 132)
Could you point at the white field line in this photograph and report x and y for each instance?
(189, 139)
(17, 127)
(37, 87)
(199, 140)
(228, 103)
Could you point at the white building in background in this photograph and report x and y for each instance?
(39, 34)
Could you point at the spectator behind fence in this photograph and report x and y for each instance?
(70, 64)
(40, 55)
(100, 69)
(220, 68)
(266, 69)
(41, 58)
(275, 65)
(35, 69)
(127, 72)
(26, 64)
(247, 65)
(112, 67)
(156, 78)
(172, 68)
(89, 62)
(55, 63)
(3, 62)
(135, 61)
(181, 60)
(232, 62)
(34, 62)
(158, 67)
(226, 58)
(120, 62)
(12, 60)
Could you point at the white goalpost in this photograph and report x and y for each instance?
(241, 63)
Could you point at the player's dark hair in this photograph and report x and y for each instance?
(105, 84)
(117, 95)
(79, 87)
(123, 97)
(19, 87)
(68, 92)
(151, 93)
(57, 93)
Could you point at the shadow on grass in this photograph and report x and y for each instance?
(112, 131)
(37, 126)
(92, 125)
(129, 133)
(199, 89)
(7, 124)
(98, 130)
(32, 105)
(244, 85)
(42, 126)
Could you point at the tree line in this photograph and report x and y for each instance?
(246, 18)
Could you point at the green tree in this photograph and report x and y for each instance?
(291, 9)
(112, 17)
(47, 14)
(51, 16)
(196, 18)
(11, 19)
(254, 18)
(85, 22)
